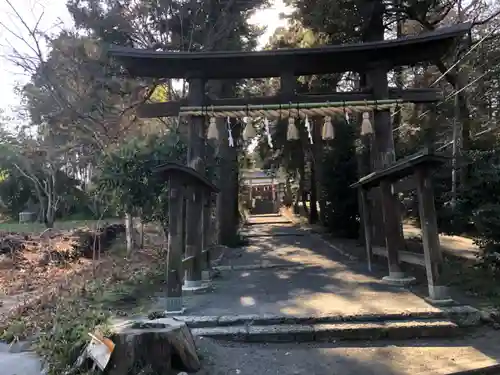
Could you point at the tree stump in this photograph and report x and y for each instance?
(163, 346)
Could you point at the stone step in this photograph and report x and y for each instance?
(328, 332)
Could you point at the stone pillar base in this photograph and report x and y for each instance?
(206, 275)
(398, 279)
(439, 295)
(173, 306)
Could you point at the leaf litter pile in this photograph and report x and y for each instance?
(57, 288)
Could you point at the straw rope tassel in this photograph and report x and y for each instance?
(213, 132)
(366, 125)
(292, 133)
(308, 128)
(229, 132)
(328, 132)
(249, 131)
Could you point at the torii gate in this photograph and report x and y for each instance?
(375, 58)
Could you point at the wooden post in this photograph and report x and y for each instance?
(196, 156)
(365, 215)
(193, 260)
(438, 292)
(174, 248)
(206, 237)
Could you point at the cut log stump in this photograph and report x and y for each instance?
(163, 346)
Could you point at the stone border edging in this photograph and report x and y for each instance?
(464, 316)
(253, 267)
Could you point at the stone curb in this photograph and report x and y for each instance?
(463, 316)
(250, 267)
(330, 332)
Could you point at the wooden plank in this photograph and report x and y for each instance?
(172, 108)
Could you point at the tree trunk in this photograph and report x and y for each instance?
(164, 346)
(129, 233)
(288, 194)
(313, 213)
(50, 213)
(141, 234)
(298, 194)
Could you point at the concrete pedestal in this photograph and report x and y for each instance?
(194, 286)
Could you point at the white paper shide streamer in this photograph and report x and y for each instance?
(268, 133)
(308, 128)
(229, 133)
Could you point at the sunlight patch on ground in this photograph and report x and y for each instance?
(248, 301)
(339, 300)
(415, 359)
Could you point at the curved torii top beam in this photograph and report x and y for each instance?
(301, 61)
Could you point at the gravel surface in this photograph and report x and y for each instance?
(380, 358)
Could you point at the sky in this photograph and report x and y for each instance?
(54, 15)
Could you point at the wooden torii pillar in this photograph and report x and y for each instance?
(196, 160)
(183, 182)
(384, 154)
